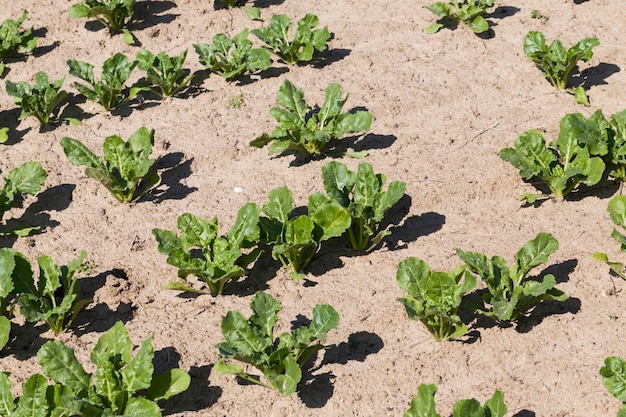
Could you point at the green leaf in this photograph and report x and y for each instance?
(280, 204)
(142, 407)
(253, 13)
(580, 95)
(114, 345)
(33, 401)
(496, 405)
(7, 402)
(614, 377)
(5, 331)
(60, 364)
(333, 219)
(265, 309)
(286, 381)
(25, 179)
(137, 374)
(423, 404)
(168, 384)
(534, 253)
(468, 408)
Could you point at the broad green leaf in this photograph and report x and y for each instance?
(137, 374)
(78, 154)
(197, 231)
(225, 368)
(178, 286)
(241, 336)
(23, 275)
(496, 405)
(468, 408)
(246, 228)
(617, 210)
(280, 204)
(265, 309)
(338, 182)
(114, 345)
(25, 179)
(168, 384)
(142, 407)
(333, 219)
(82, 70)
(286, 381)
(5, 331)
(3, 131)
(7, 402)
(292, 98)
(60, 364)
(167, 239)
(412, 276)
(580, 96)
(614, 377)
(78, 10)
(7, 266)
(423, 404)
(534, 253)
(325, 318)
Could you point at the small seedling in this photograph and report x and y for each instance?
(613, 376)
(25, 179)
(510, 292)
(222, 261)
(127, 171)
(305, 42)
(434, 297)
(233, 58)
(113, 14)
(12, 40)
(423, 405)
(281, 359)
(110, 90)
(453, 12)
(164, 72)
(302, 129)
(40, 100)
(557, 63)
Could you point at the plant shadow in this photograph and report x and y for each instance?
(413, 228)
(271, 72)
(24, 341)
(525, 413)
(263, 270)
(199, 396)
(10, 120)
(329, 56)
(100, 317)
(315, 390)
(174, 170)
(593, 76)
(150, 13)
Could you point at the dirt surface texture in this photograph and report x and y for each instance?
(443, 106)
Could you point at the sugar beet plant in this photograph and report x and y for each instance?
(14, 40)
(232, 58)
(302, 129)
(122, 384)
(557, 63)
(304, 43)
(113, 14)
(568, 161)
(617, 211)
(295, 240)
(453, 12)
(423, 405)
(110, 91)
(510, 292)
(252, 342)
(434, 298)
(223, 260)
(28, 178)
(40, 100)
(127, 170)
(164, 72)
(361, 194)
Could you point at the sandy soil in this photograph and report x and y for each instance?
(443, 106)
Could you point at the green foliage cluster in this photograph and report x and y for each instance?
(222, 261)
(303, 129)
(113, 14)
(28, 178)
(557, 63)
(585, 151)
(13, 40)
(123, 384)
(252, 342)
(453, 12)
(165, 72)
(613, 374)
(55, 298)
(127, 170)
(423, 405)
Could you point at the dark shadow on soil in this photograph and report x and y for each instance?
(139, 103)
(501, 12)
(172, 169)
(603, 190)
(100, 317)
(315, 390)
(271, 72)
(24, 341)
(525, 413)
(150, 13)
(10, 119)
(329, 56)
(199, 396)
(593, 76)
(73, 110)
(413, 228)
(263, 270)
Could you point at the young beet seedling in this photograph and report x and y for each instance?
(110, 91)
(222, 261)
(232, 58)
(127, 171)
(28, 178)
(434, 297)
(305, 42)
(568, 162)
(113, 14)
(41, 99)
(613, 376)
(121, 385)
(304, 130)
(423, 405)
(56, 298)
(556, 63)
(164, 71)
(362, 195)
(252, 342)
(12, 40)
(295, 241)
(510, 292)
(453, 12)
